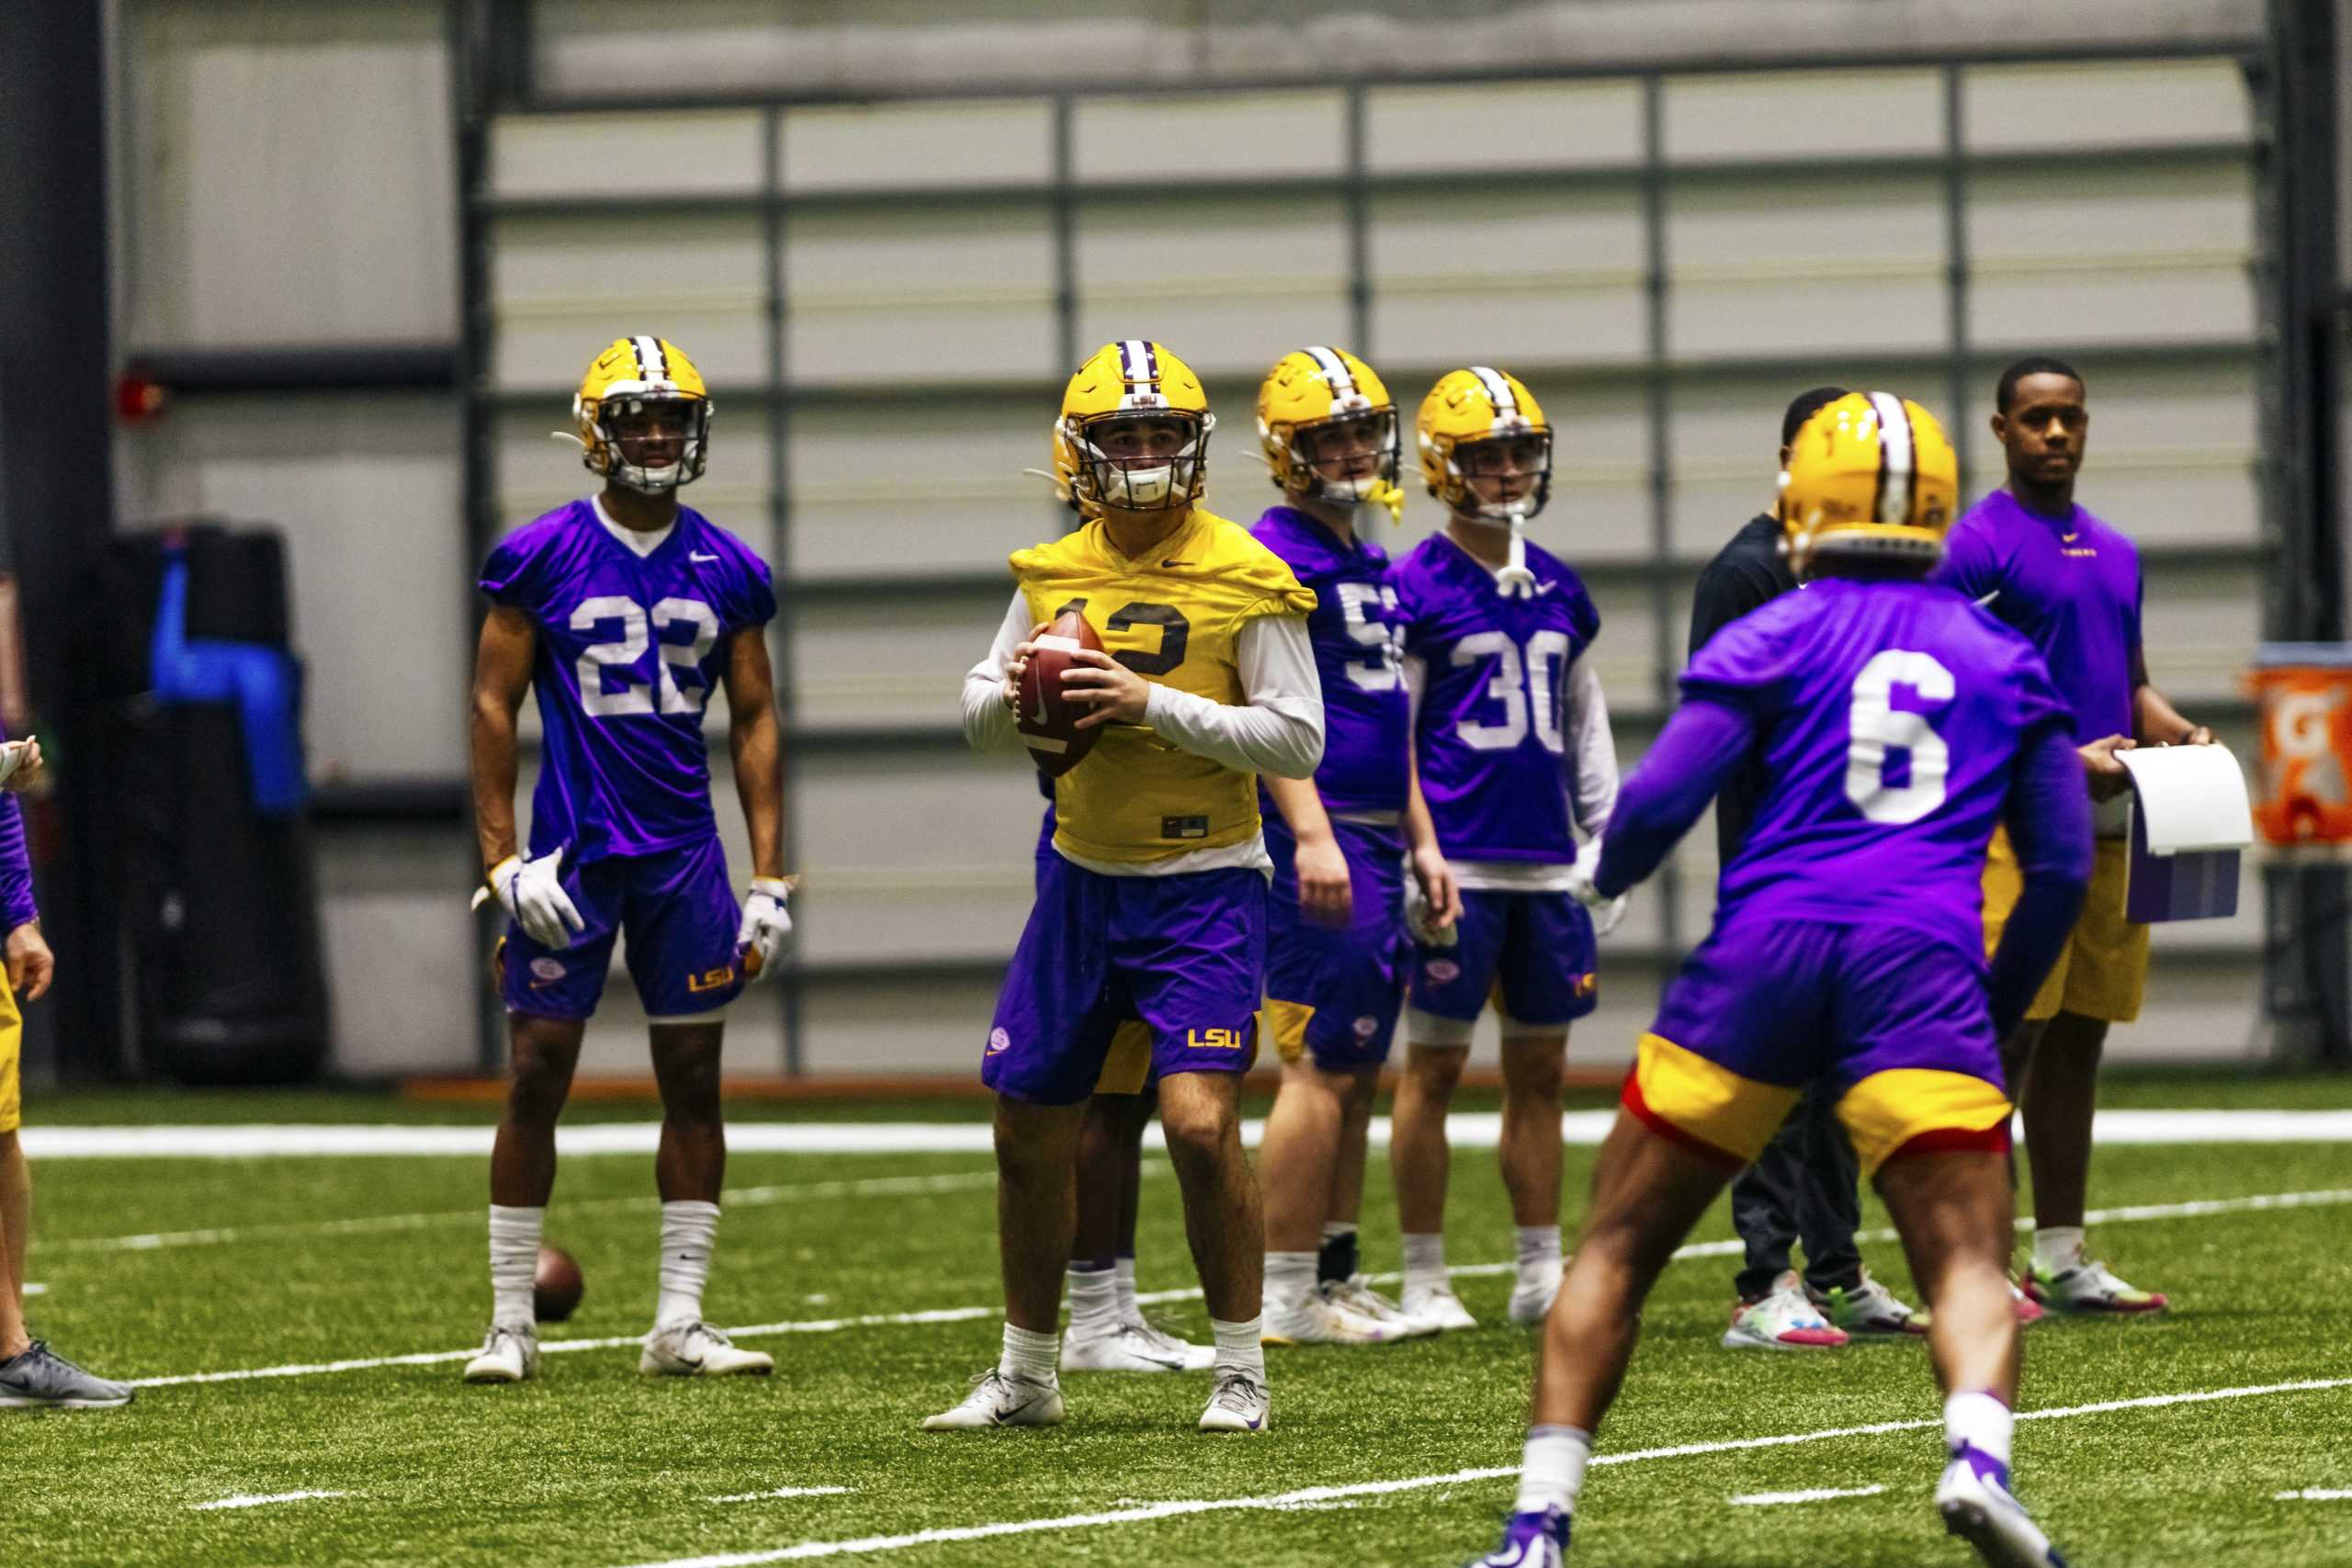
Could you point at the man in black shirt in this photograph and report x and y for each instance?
(1805, 1184)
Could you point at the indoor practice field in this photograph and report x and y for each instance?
(299, 1323)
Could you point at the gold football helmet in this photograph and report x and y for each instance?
(1137, 426)
(1061, 472)
(1313, 396)
(1870, 476)
(1484, 421)
(648, 381)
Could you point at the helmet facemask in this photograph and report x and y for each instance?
(1518, 469)
(1139, 460)
(1348, 458)
(631, 427)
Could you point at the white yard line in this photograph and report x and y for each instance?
(1307, 1496)
(2200, 1208)
(784, 1492)
(263, 1502)
(1469, 1130)
(2313, 1495)
(33, 1289)
(1818, 1495)
(739, 1196)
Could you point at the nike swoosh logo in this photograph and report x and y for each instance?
(697, 554)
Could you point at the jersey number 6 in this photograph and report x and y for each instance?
(1875, 727)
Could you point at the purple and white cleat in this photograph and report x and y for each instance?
(1977, 1507)
(1530, 1540)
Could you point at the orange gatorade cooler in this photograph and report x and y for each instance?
(2303, 691)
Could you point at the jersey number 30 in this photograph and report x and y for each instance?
(1875, 727)
(620, 656)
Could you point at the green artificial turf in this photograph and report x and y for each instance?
(593, 1466)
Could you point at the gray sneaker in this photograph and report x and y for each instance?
(40, 1378)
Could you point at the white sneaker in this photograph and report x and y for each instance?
(1240, 1405)
(510, 1353)
(1000, 1401)
(1133, 1347)
(1438, 1308)
(1979, 1510)
(1868, 1309)
(1530, 1305)
(696, 1350)
(1356, 1295)
(1781, 1321)
(1315, 1319)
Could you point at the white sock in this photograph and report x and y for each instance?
(2058, 1246)
(1241, 1348)
(1289, 1279)
(1982, 1422)
(1552, 1473)
(1093, 1300)
(1539, 1256)
(689, 1231)
(1030, 1356)
(515, 1263)
(1128, 1312)
(1425, 1261)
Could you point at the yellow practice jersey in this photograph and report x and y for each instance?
(1173, 616)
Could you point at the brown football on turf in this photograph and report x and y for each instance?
(1048, 719)
(557, 1288)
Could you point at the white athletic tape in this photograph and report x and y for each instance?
(867, 1545)
(992, 1312)
(1466, 1130)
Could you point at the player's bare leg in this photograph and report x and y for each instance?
(543, 1053)
(1420, 1160)
(1954, 1213)
(1299, 1163)
(1200, 1114)
(690, 1169)
(1107, 1330)
(16, 1241)
(2058, 1094)
(1535, 1073)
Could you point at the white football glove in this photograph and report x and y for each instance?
(1417, 916)
(1606, 911)
(767, 925)
(532, 891)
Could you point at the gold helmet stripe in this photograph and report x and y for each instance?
(1898, 466)
(1335, 371)
(1498, 392)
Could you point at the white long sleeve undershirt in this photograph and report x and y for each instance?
(1277, 728)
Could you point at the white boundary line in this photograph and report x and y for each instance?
(867, 1545)
(784, 1492)
(260, 1501)
(2200, 1208)
(1468, 1129)
(2313, 1495)
(1818, 1495)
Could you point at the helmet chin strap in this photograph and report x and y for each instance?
(1514, 581)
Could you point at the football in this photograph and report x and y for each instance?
(557, 1288)
(1048, 720)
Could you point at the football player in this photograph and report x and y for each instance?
(1897, 723)
(2070, 583)
(32, 1376)
(1338, 948)
(1108, 1331)
(1512, 749)
(1155, 903)
(626, 611)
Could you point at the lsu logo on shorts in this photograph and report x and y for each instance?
(1216, 1039)
(711, 979)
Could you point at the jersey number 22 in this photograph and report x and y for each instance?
(621, 654)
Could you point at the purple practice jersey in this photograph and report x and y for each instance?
(1890, 718)
(1490, 732)
(629, 649)
(2071, 585)
(1354, 628)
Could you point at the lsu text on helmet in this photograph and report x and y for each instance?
(1321, 410)
(640, 390)
(1481, 421)
(1137, 422)
(1871, 477)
